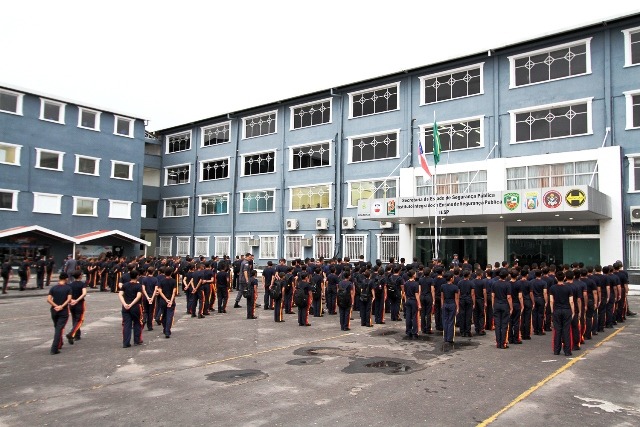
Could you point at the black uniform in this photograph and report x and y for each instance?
(466, 306)
(77, 311)
(222, 289)
(501, 291)
(561, 318)
(345, 308)
(426, 303)
(449, 292)
(166, 287)
(527, 309)
(479, 320)
(366, 295)
(59, 294)
(411, 288)
(131, 318)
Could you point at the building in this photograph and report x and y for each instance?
(70, 182)
(558, 116)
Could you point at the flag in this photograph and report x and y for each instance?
(436, 144)
(423, 160)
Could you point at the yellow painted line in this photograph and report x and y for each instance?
(560, 370)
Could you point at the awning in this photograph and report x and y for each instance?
(99, 234)
(37, 230)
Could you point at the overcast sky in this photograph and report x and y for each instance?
(174, 62)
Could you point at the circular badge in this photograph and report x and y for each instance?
(575, 198)
(552, 199)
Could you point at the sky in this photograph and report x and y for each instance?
(174, 62)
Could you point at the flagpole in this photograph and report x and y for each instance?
(435, 187)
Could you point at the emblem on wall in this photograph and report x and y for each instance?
(552, 199)
(511, 200)
(575, 198)
(532, 201)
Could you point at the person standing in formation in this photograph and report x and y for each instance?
(77, 306)
(130, 295)
(59, 299)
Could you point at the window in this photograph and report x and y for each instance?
(47, 203)
(87, 165)
(8, 200)
(242, 245)
(268, 247)
(293, 246)
(10, 102)
(454, 136)
(633, 109)
(310, 197)
(176, 175)
(216, 134)
(214, 169)
(257, 201)
(183, 245)
(85, 206)
(313, 114)
(558, 62)
(214, 204)
(556, 121)
(88, 119)
(388, 246)
(633, 250)
(379, 189)
(10, 154)
(323, 246)
(51, 111)
(123, 126)
(354, 245)
(555, 175)
(631, 46)
(260, 163)
(373, 147)
(179, 142)
(165, 246)
(120, 209)
(634, 172)
(310, 156)
(450, 183)
(176, 207)
(202, 246)
(374, 101)
(121, 170)
(452, 84)
(223, 245)
(263, 124)
(47, 159)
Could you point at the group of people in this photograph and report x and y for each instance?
(514, 301)
(43, 265)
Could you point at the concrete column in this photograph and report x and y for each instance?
(406, 241)
(496, 242)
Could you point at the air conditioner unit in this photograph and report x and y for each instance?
(322, 223)
(348, 222)
(292, 224)
(254, 242)
(635, 214)
(386, 224)
(306, 242)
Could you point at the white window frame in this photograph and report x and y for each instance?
(166, 174)
(296, 241)
(14, 199)
(201, 170)
(512, 62)
(244, 128)
(365, 135)
(512, 119)
(60, 159)
(379, 238)
(113, 210)
(118, 162)
(18, 149)
(183, 241)
(252, 191)
(631, 158)
(37, 208)
(97, 123)
(448, 122)
(164, 207)
(332, 243)
(96, 169)
(291, 120)
(350, 183)
(263, 244)
(291, 155)
(452, 71)
(94, 202)
(19, 100)
(372, 89)
(211, 195)
(203, 129)
(628, 95)
(165, 239)
(328, 184)
(275, 162)
(61, 111)
(131, 122)
(166, 142)
(201, 240)
(627, 46)
(362, 237)
(222, 241)
(243, 238)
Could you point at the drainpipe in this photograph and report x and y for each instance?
(232, 201)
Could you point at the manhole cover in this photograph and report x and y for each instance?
(305, 361)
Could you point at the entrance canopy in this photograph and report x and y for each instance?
(99, 234)
(35, 229)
